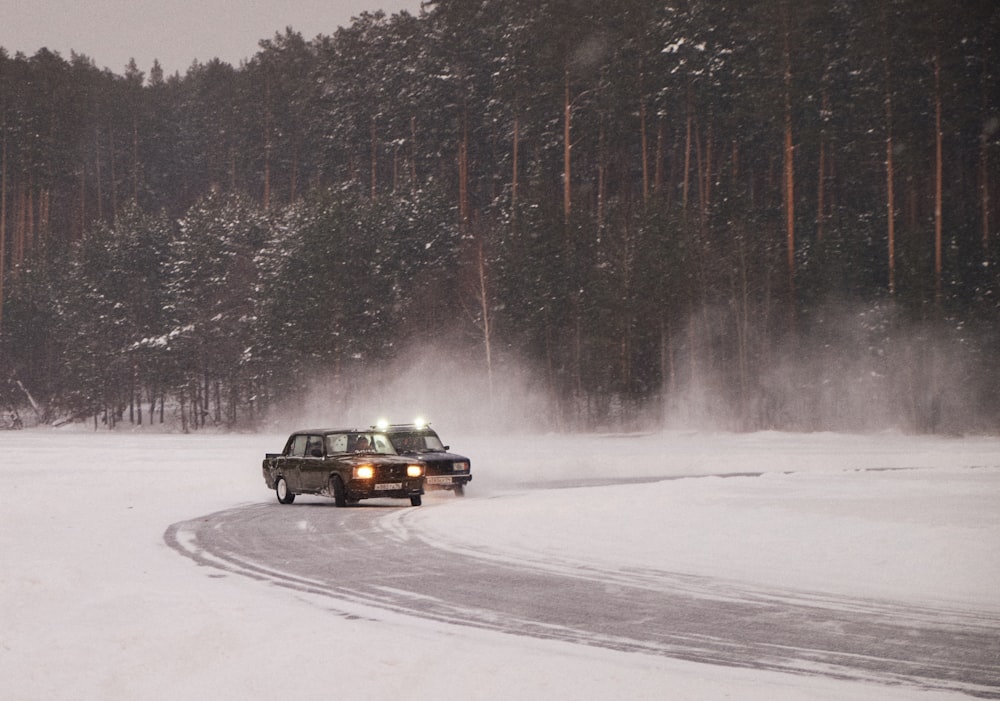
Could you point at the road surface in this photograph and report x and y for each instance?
(371, 555)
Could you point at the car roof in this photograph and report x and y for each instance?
(331, 430)
(404, 427)
(370, 429)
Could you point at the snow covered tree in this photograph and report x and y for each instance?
(213, 283)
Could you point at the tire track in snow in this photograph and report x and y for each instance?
(369, 557)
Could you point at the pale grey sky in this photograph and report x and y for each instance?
(176, 32)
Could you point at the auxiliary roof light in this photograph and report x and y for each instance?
(384, 425)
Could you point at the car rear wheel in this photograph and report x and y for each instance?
(338, 491)
(285, 495)
(415, 500)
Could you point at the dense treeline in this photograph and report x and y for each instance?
(774, 214)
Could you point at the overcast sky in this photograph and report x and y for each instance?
(174, 31)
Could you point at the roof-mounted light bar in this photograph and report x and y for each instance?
(419, 423)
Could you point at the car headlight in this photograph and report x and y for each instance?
(364, 472)
(461, 467)
(414, 470)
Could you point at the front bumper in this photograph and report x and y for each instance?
(447, 481)
(371, 489)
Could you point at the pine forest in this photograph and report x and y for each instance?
(764, 215)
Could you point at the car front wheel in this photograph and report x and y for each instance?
(285, 495)
(415, 500)
(338, 491)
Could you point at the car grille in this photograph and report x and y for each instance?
(391, 473)
(440, 467)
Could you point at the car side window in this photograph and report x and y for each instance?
(314, 447)
(383, 445)
(433, 442)
(298, 448)
(336, 443)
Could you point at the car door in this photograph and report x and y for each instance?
(290, 462)
(313, 464)
(337, 458)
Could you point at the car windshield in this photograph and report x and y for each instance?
(416, 442)
(362, 442)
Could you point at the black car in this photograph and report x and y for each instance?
(445, 470)
(346, 464)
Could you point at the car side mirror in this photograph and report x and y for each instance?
(317, 453)
(447, 447)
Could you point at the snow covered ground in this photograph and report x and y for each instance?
(94, 605)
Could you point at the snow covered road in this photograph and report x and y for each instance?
(376, 555)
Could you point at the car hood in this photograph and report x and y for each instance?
(376, 459)
(436, 456)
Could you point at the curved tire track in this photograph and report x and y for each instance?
(368, 555)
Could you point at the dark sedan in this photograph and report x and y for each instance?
(345, 464)
(445, 470)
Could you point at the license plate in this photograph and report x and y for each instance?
(439, 480)
(386, 486)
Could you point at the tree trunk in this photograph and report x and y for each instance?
(789, 174)
(374, 163)
(514, 168)
(463, 174)
(83, 201)
(135, 160)
(707, 174)
(668, 371)
(938, 138)
(889, 175)
(658, 173)
(699, 161)
(643, 141)
(24, 226)
(735, 163)
(97, 173)
(567, 147)
(602, 169)
(31, 400)
(293, 185)
(217, 397)
(821, 179)
(687, 159)
(395, 169)
(413, 154)
(984, 186)
(184, 420)
(114, 175)
(267, 142)
(44, 215)
(483, 294)
(890, 200)
(206, 399)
